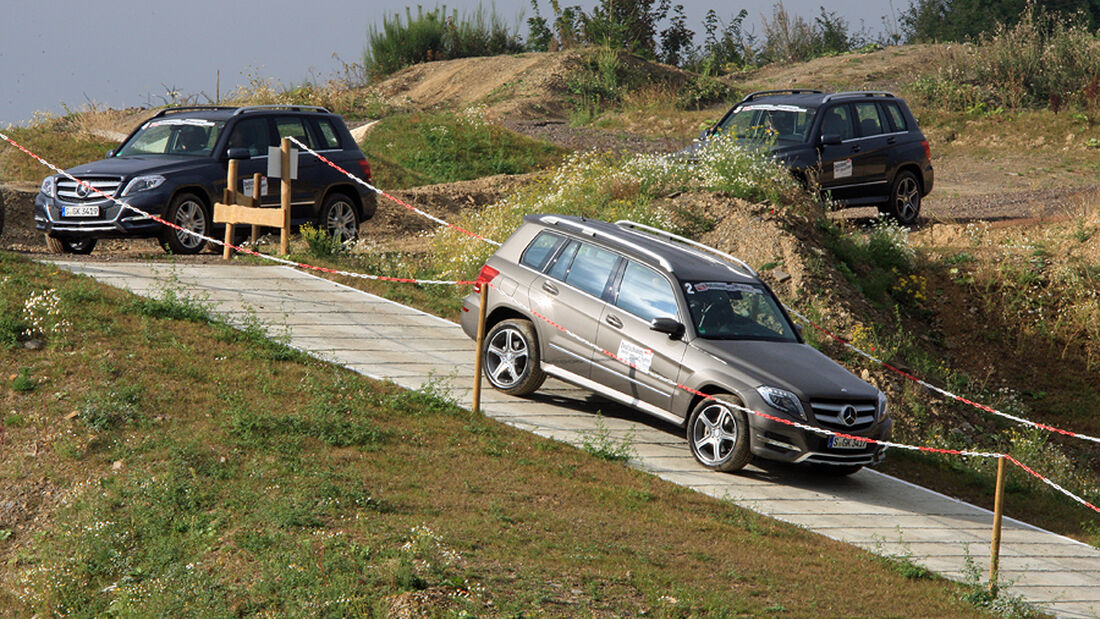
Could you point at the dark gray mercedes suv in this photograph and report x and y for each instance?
(174, 166)
(683, 320)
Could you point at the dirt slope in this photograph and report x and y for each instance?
(884, 69)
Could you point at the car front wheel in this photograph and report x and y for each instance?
(189, 213)
(512, 362)
(718, 434)
(70, 246)
(339, 218)
(904, 205)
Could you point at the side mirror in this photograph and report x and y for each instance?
(110, 153)
(798, 329)
(674, 328)
(830, 139)
(703, 134)
(238, 153)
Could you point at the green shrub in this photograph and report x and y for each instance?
(1045, 59)
(432, 35)
(322, 244)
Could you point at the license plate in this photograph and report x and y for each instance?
(80, 211)
(843, 442)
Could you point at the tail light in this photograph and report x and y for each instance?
(485, 276)
(927, 150)
(365, 166)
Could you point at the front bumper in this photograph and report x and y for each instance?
(113, 221)
(774, 440)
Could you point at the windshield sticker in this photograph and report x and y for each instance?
(194, 122)
(727, 287)
(842, 169)
(635, 355)
(771, 107)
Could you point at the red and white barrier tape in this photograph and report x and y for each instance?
(208, 239)
(943, 392)
(386, 195)
(792, 423)
(846, 343)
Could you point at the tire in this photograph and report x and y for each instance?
(904, 205)
(339, 217)
(82, 246)
(511, 359)
(718, 434)
(190, 213)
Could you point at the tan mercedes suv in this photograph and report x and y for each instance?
(680, 319)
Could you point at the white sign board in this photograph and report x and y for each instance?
(639, 357)
(275, 163)
(842, 169)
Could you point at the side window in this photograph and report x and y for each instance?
(644, 293)
(838, 120)
(591, 269)
(565, 259)
(867, 118)
(252, 134)
(897, 119)
(540, 250)
(329, 137)
(290, 127)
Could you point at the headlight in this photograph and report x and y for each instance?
(782, 400)
(881, 405)
(143, 183)
(49, 187)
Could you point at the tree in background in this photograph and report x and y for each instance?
(966, 20)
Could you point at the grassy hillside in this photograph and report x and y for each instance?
(156, 462)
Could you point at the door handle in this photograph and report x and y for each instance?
(614, 321)
(855, 149)
(548, 287)
(891, 140)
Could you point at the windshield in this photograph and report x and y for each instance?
(732, 311)
(173, 136)
(767, 122)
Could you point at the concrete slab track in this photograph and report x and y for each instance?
(385, 340)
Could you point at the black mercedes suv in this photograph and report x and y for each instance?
(174, 166)
(862, 148)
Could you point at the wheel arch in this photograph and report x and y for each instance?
(348, 192)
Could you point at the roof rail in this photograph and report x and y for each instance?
(857, 93)
(593, 232)
(292, 108)
(784, 91)
(192, 108)
(668, 236)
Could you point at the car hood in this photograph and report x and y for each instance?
(793, 366)
(692, 151)
(132, 166)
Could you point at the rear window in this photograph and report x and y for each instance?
(540, 250)
(329, 139)
(293, 128)
(897, 119)
(868, 119)
(591, 269)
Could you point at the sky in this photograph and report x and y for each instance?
(65, 54)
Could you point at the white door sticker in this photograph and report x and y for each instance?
(247, 186)
(842, 169)
(640, 357)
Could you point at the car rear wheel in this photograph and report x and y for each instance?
(70, 246)
(512, 360)
(718, 434)
(189, 213)
(339, 218)
(904, 205)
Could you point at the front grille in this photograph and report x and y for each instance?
(844, 416)
(72, 192)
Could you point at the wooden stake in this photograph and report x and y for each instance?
(284, 236)
(998, 511)
(230, 198)
(256, 195)
(479, 357)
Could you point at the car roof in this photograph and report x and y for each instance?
(811, 98)
(662, 252)
(221, 112)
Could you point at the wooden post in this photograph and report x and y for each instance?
(998, 511)
(257, 195)
(230, 193)
(284, 194)
(479, 357)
